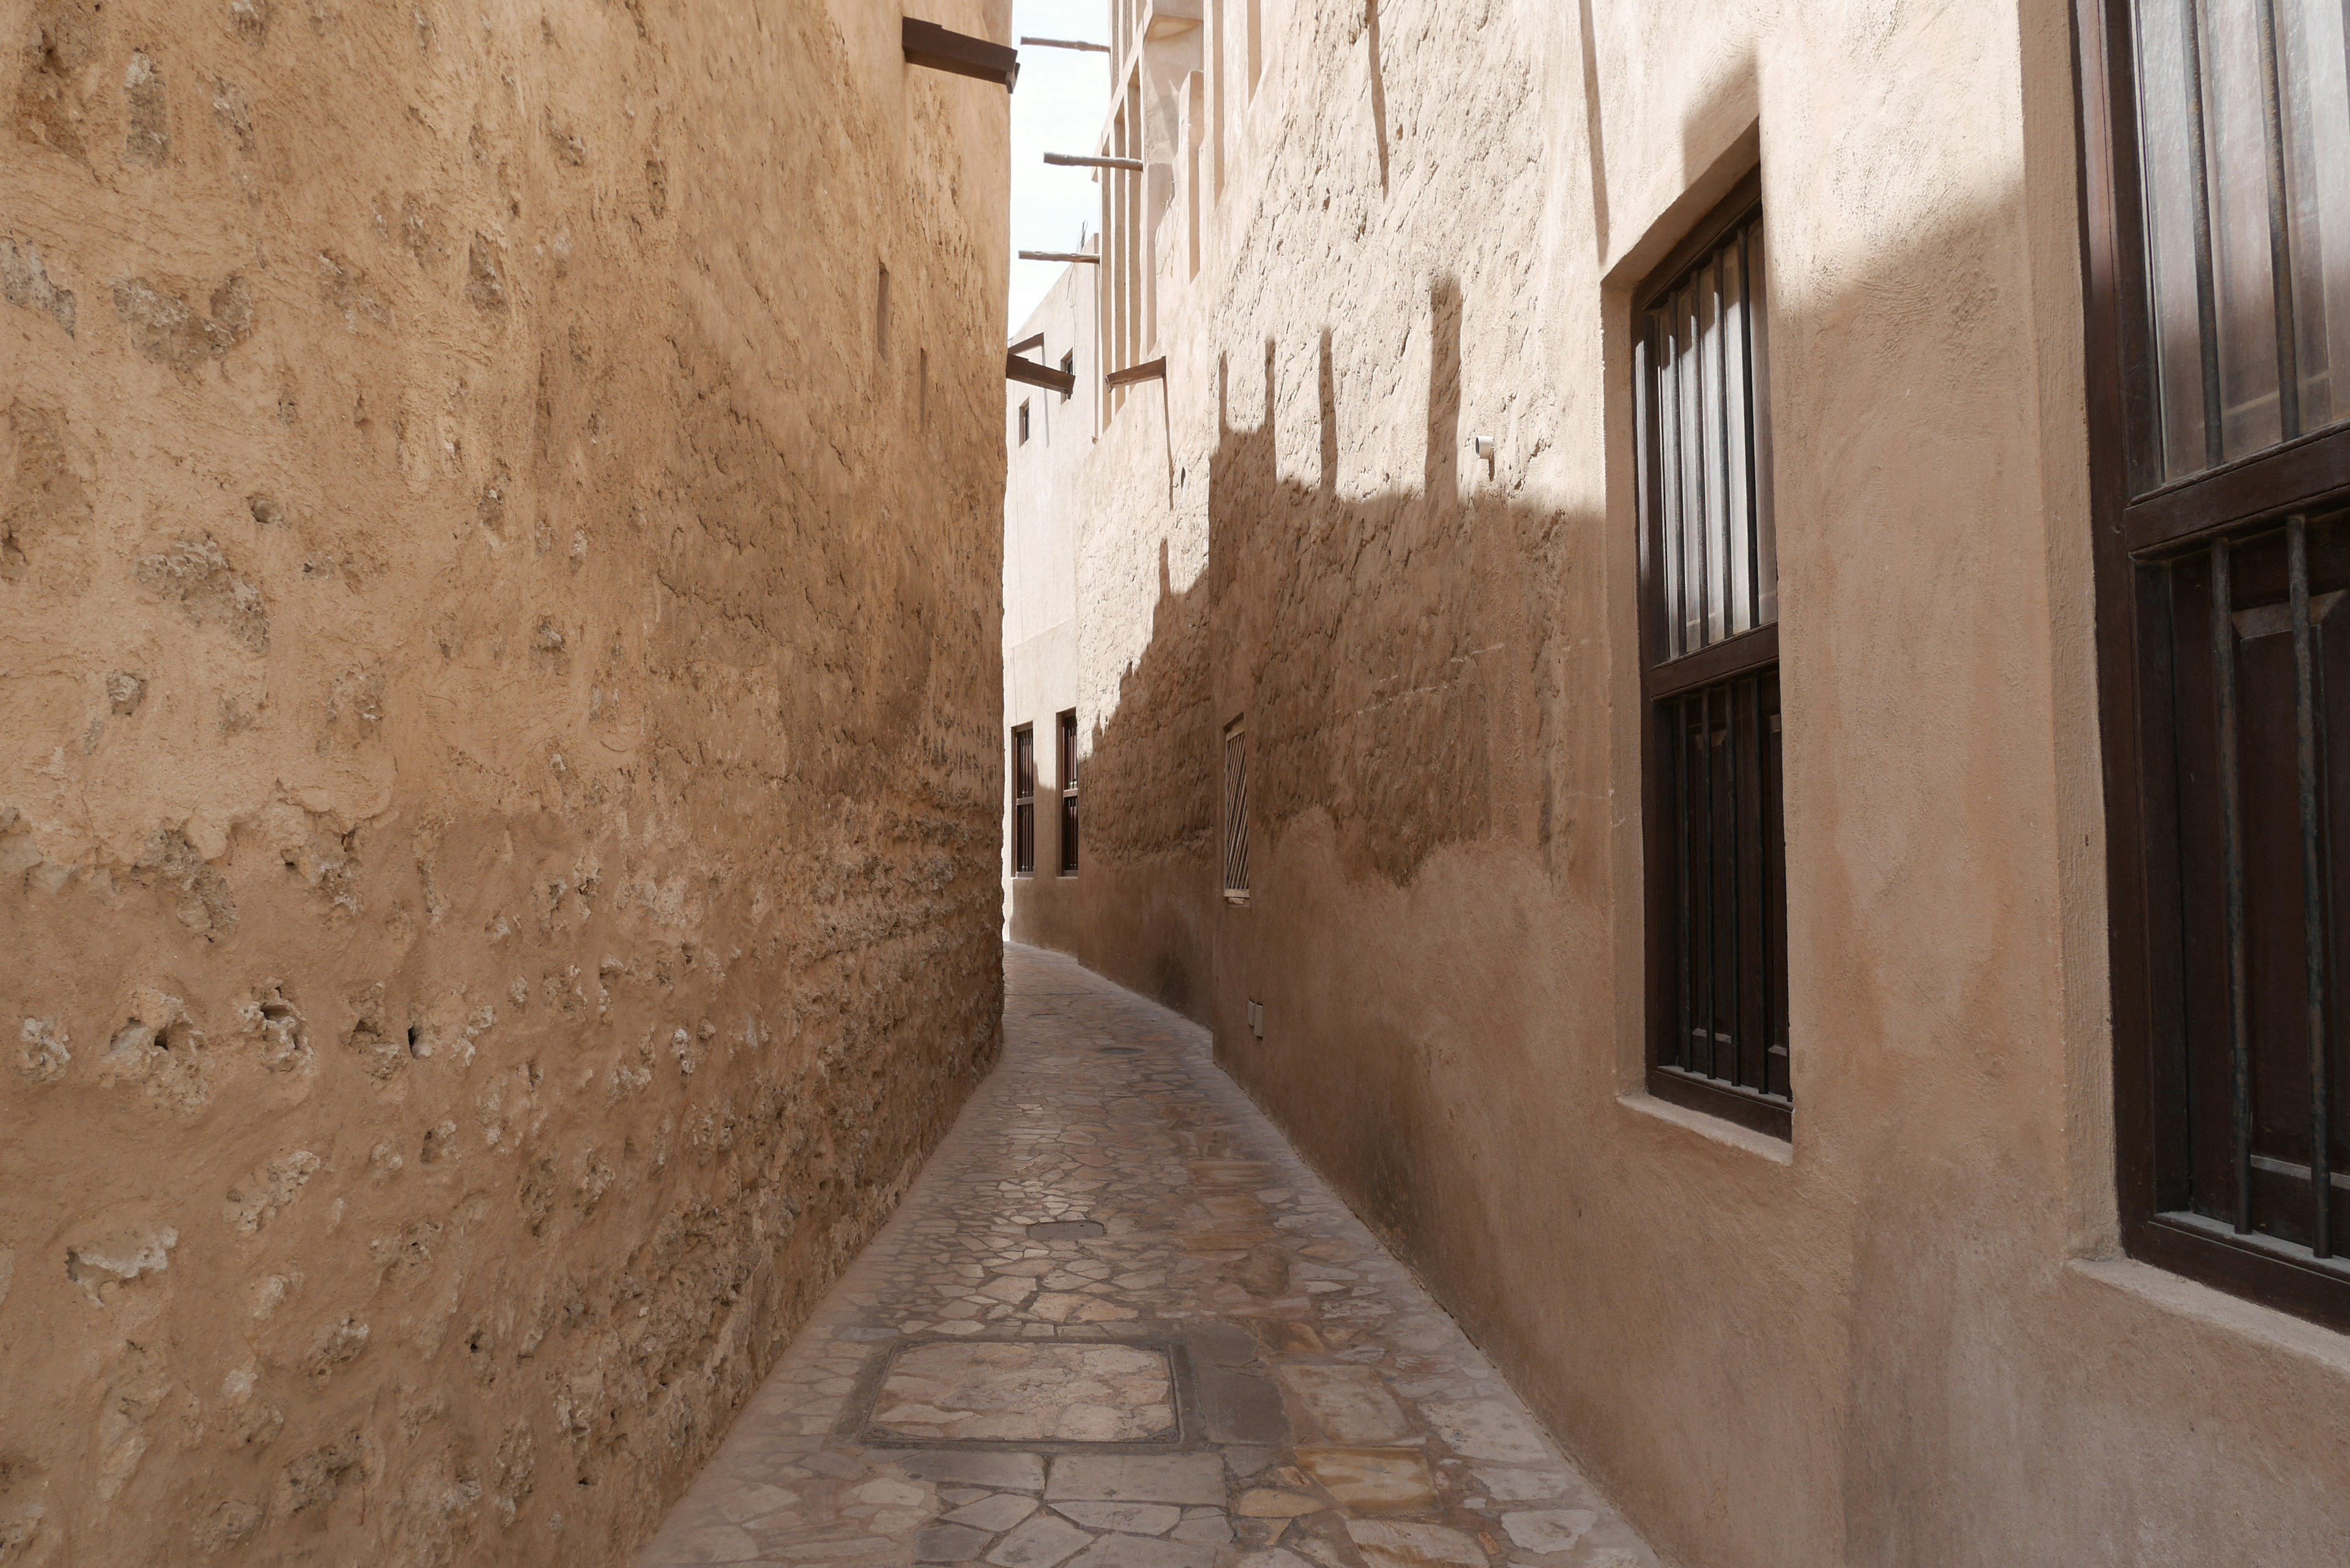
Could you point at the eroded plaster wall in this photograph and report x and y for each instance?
(499, 673)
(1907, 1336)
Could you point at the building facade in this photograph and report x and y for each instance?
(499, 574)
(1707, 659)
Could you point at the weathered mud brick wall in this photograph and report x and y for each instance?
(498, 680)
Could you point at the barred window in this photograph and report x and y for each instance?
(1069, 727)
(1236, 843)
(1716, 852)
(1023, 801)
(2218, 295)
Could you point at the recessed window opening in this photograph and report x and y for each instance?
(882, 315)
(1023, 801)
(1256, 44)
(1236, 836)
(1218, 43)
(1023, 421)
(1716, 856)
(923, 404)
(1195, 114)
(1068, 759)
(1069, 368)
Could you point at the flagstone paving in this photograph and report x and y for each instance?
(1118, 1323)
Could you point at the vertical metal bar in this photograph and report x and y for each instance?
(1721, 400)
(2240, 1054)
(1696, 503)
(1669, 480)
(2288, 350)
(1753, 519)
(2313, 922)
(2207, 306)
(1712, 915)
(1679, 708)
(1767, 796)
(1737, 879)
(1644, 485)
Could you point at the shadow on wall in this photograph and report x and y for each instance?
(1396, 661)
(1141, 910)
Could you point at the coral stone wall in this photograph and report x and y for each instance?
(499, 675)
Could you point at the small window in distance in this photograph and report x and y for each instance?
(1236, 844)
(1023, 801)
(882, 316)
(1069, 727)
(1716, 851)
(1023, 421)
(1069, 368)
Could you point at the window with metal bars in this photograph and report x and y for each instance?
(1068, 730)
(1023, 801)
(1236, 840)
(2217, 136)
(1716, 851)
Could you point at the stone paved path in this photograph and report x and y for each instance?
(1118, 1324)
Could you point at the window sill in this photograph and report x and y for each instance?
(1729, 1135)
(1239, 901)
(2179, 1296)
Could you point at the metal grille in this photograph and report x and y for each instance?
(2243, 129)
(1069, 727)
(1705, 422)
(1716, 850)
(1023, 801)
(1236, 843)
(1729, 869)
(2260, 664)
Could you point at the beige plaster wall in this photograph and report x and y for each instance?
(1904, 1338)
(498, 690)
(1094, 622)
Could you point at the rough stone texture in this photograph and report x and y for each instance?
(1908, 1336)
(498, 675)
(1108, 1107)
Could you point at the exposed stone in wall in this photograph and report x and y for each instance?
(497, 809)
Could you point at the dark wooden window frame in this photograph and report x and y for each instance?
(1024, 800)
(1065, 730)
(1748, 659)
(2136, 537)
(1236, 833)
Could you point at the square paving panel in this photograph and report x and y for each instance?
(990, 1391)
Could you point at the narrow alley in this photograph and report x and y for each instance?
(1117, 1323)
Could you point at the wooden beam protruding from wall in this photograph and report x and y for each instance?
(1149, 370)
(1015, 369)
(1075, 160)
(927, 44)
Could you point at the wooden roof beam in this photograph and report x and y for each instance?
(932, 46)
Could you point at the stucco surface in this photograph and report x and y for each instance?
(1903, 1337)
(498, 673)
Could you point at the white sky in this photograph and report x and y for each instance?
(1058, 108)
